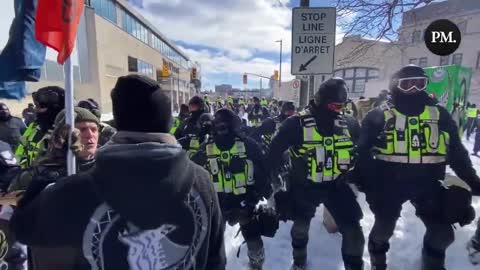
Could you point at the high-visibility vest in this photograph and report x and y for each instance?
(28, 149)
(241, 101)
(264, 102)
(230, 100)
(176, 124)
(472, 112)
(231, 171)
(325, 157)
(194, 146)
(413, 139)
(257, 118)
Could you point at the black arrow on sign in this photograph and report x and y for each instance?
(304, 66)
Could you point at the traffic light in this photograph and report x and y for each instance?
(275, 75)
(245, 79)
(194, 73)
(165, 71)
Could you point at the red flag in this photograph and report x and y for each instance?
(56, 25)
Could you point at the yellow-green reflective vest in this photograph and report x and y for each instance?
(241, 101)
(194, 146)
(230, 171)
(230, 100)
(256, 121)
(413, 139)
(472, 112)
(263, 102)
(326, 157)
(28, 149)
(176, 124)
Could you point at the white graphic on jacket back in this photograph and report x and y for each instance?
(147, 249)
(152, 249)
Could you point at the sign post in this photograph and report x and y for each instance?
(313, 40)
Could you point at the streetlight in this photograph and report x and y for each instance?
(280, 75)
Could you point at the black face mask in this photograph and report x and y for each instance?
(46, 119)
(410, 104)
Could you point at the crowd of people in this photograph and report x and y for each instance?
(155, 191)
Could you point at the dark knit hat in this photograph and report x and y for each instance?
(81, 115)
(140, 105)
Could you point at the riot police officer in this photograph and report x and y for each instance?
(258, 113)
(403, 151)
(237, 170)
(320, 143)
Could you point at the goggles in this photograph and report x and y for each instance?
(45, 99)
(413, 83)
(335, 106)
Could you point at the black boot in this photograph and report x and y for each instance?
(378, 255)
(432, 260)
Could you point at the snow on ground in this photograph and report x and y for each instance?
(324, 248)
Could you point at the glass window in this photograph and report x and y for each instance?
(339, 73)
(349, 84)
(359, 86)
(423, 62)
(444, 60)
(416, 37)
(105, 9)
(349, 73)
(373, 73)
(360, 72)
(412, 61)
(132, 64)
(457, 59)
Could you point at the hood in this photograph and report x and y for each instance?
(144, 176)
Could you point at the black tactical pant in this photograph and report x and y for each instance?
(250, 230)
(386, 204)
(342, 204)
(470, 126)
(476, 145)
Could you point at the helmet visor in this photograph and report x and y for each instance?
(45, 98)
(412, 84)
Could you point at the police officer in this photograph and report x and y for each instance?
(264, 133)
(188, 132)
(264, 101)
(258, 113)
(236, 166)
(49, 101)
(192, 142)
(182, 115)
(11, 127)
(403, 151)
(472, 113)
(320, 143)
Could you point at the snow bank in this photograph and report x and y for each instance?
(324, 248)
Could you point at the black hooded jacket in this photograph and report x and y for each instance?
(369, 170)
(190, 126)
(144, 205)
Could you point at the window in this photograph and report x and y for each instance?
(478, 61)
(356, 78)
(423, 62)
(106, 9)
(132, 64)
(444, 60)
(457, 59)
(412, 61)
(416, 37)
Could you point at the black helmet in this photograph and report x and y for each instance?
(91, 105)
(334, 90)
(196, 100)
(226, 122)
(287, 106)
(50, 97)
(256, 99)
(205, 119)
(410, 79)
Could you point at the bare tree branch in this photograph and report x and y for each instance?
(372, 19)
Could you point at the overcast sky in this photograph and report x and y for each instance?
(228, 37)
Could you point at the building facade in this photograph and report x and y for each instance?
(115, 40)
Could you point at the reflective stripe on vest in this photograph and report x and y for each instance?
(194, 146)
(472, 113)
(219, 165)
(327, 157)
(413, 140)
(176, 124)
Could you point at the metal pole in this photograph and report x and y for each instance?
(69, 113)
(280, 75)
(306, 4)
(260, 84)
(171, 92)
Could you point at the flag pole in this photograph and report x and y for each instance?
(69, 113)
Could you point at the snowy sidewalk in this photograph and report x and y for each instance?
(324, 248)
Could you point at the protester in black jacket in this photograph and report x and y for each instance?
(11, 127)
(144, 205)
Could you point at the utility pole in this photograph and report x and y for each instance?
(260, 84)
(305, 90)
(280, 71)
